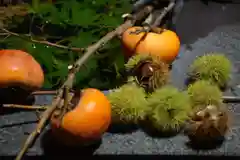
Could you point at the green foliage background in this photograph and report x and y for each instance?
(74, 23)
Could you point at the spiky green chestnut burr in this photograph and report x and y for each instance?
(135, 60)
(168, 108)
(213, 67)
(203, 93)
(128, 103)
(149, 70)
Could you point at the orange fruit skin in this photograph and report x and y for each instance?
(165, 45)
(86, 122)
(19, 68)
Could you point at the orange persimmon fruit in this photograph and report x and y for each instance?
(87, 122)
(165, 44)
(19, 68)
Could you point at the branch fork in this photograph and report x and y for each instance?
(151, 24)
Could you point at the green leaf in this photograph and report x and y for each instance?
(89, 68)
(87, 17)
(98, 83)
(60, 72)
(99, 2)
(109, 21)
(44, 8)
(35, 4)
(83, 40)
(119, 61)
(47, 84)
(43, 54)
(64, 14)
(14, 42)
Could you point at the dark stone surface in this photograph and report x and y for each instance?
(214, 29)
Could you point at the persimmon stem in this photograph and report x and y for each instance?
(24, 107)
(71, 76)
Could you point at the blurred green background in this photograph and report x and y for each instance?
(73, 23)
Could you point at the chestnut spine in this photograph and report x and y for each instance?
(168, 108)
(213, 67)
(149, 71)
(129, 104)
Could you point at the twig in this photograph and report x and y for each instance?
(44, 93)
(69, 82)
(148, 27)
(38, 114)
(163, 14)
(75, 49)
(25, 106)
(67, 98)
(4, 34)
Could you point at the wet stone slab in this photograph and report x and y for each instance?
(224, 39)
(12, 135)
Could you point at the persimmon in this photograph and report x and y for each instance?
(86, 122)
(164, 44)
(19, 68)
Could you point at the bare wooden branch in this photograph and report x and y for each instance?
(75, 49)
(163, 14)
(153, 27)
(69, 82)
(24, 107)
(44, 93)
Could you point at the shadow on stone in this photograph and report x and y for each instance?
(197, 144)
(14, 96)
(16, 124)
(118, 128)
(190, 80)
(51, 147)
(152, 132)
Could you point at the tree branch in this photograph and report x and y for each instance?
(69, 82)
(163, 14)
(42, 92)
(75, 49)
(25, 107)
(152, 27)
